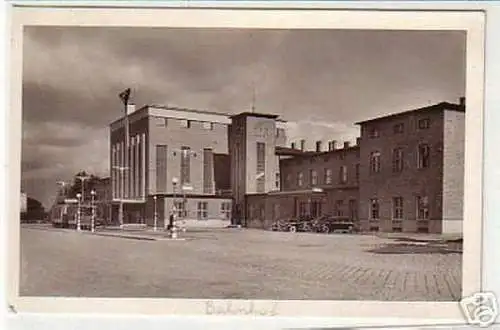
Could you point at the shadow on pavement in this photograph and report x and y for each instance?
(401, 248)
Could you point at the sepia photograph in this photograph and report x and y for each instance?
(226, 163)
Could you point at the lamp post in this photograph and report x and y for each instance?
(155, 215)
(92, 223)
(62, 190)
(185, 188)
(120, 169)
(175, 181)
(78, 212)
(83, 178)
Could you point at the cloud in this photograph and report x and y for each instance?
(312, 131)
(322, 81)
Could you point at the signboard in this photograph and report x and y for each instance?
(71, 201)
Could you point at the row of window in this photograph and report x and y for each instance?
(202, 210)
(314, 179)
(423, 159)
(399, 128)
(340, 153)
(398, 211)
(184, 123)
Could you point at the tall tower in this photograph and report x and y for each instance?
(254, 165)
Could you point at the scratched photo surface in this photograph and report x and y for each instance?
(242, 164)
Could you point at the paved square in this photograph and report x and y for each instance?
(234, 264)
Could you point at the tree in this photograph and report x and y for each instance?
(88, 184)
(34, 210)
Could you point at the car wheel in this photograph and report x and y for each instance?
(293, 229)
(325, 229)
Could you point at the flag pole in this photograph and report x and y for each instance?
(124, 96)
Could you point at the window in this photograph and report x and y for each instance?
(313, 177)
(208, 126)
(225, 210)
(374, 133)
(185, 165)
(353, 209)
(375, 162)
(374, 209)
(300, 179)
(343, 174)
(161, 168)
(161, 122)
(424, 123)
(339, 205)
(399, 128)
(180, 207)
(423, 156)
(302, 209)
(202, 213)
(328, 176)
(185, 123)
(288, 179)
(397, 208)
(208, 166)
(261, 167)
(422, 208)
(397, 160)
(357, 172)
(277, 181)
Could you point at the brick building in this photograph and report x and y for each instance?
(412, 170)
(404, 173)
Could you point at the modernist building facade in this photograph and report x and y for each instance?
(169, 166)
(404, 173)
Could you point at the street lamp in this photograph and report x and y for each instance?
(92, 223)
(120, 169)
(173, 223)
(78, 212)
(62, 190)
(185, 188)
(155, 215)
(82, 178)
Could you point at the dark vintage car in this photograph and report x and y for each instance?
(303, 224)
(331, 224)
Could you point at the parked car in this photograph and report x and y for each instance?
(330, 224)
(302, 224)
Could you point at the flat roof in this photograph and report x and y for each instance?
(437, 106)
(166, 107)
(285, 151)
(197, 111)
(255, 114)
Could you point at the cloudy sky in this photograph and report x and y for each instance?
(321, 81)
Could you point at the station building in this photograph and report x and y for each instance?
(404, 173)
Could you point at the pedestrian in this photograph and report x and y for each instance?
(170, 221)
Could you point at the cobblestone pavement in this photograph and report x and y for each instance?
(233, 264)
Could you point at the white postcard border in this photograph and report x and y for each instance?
(473, 22)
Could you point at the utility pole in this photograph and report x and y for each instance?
(125, 97)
